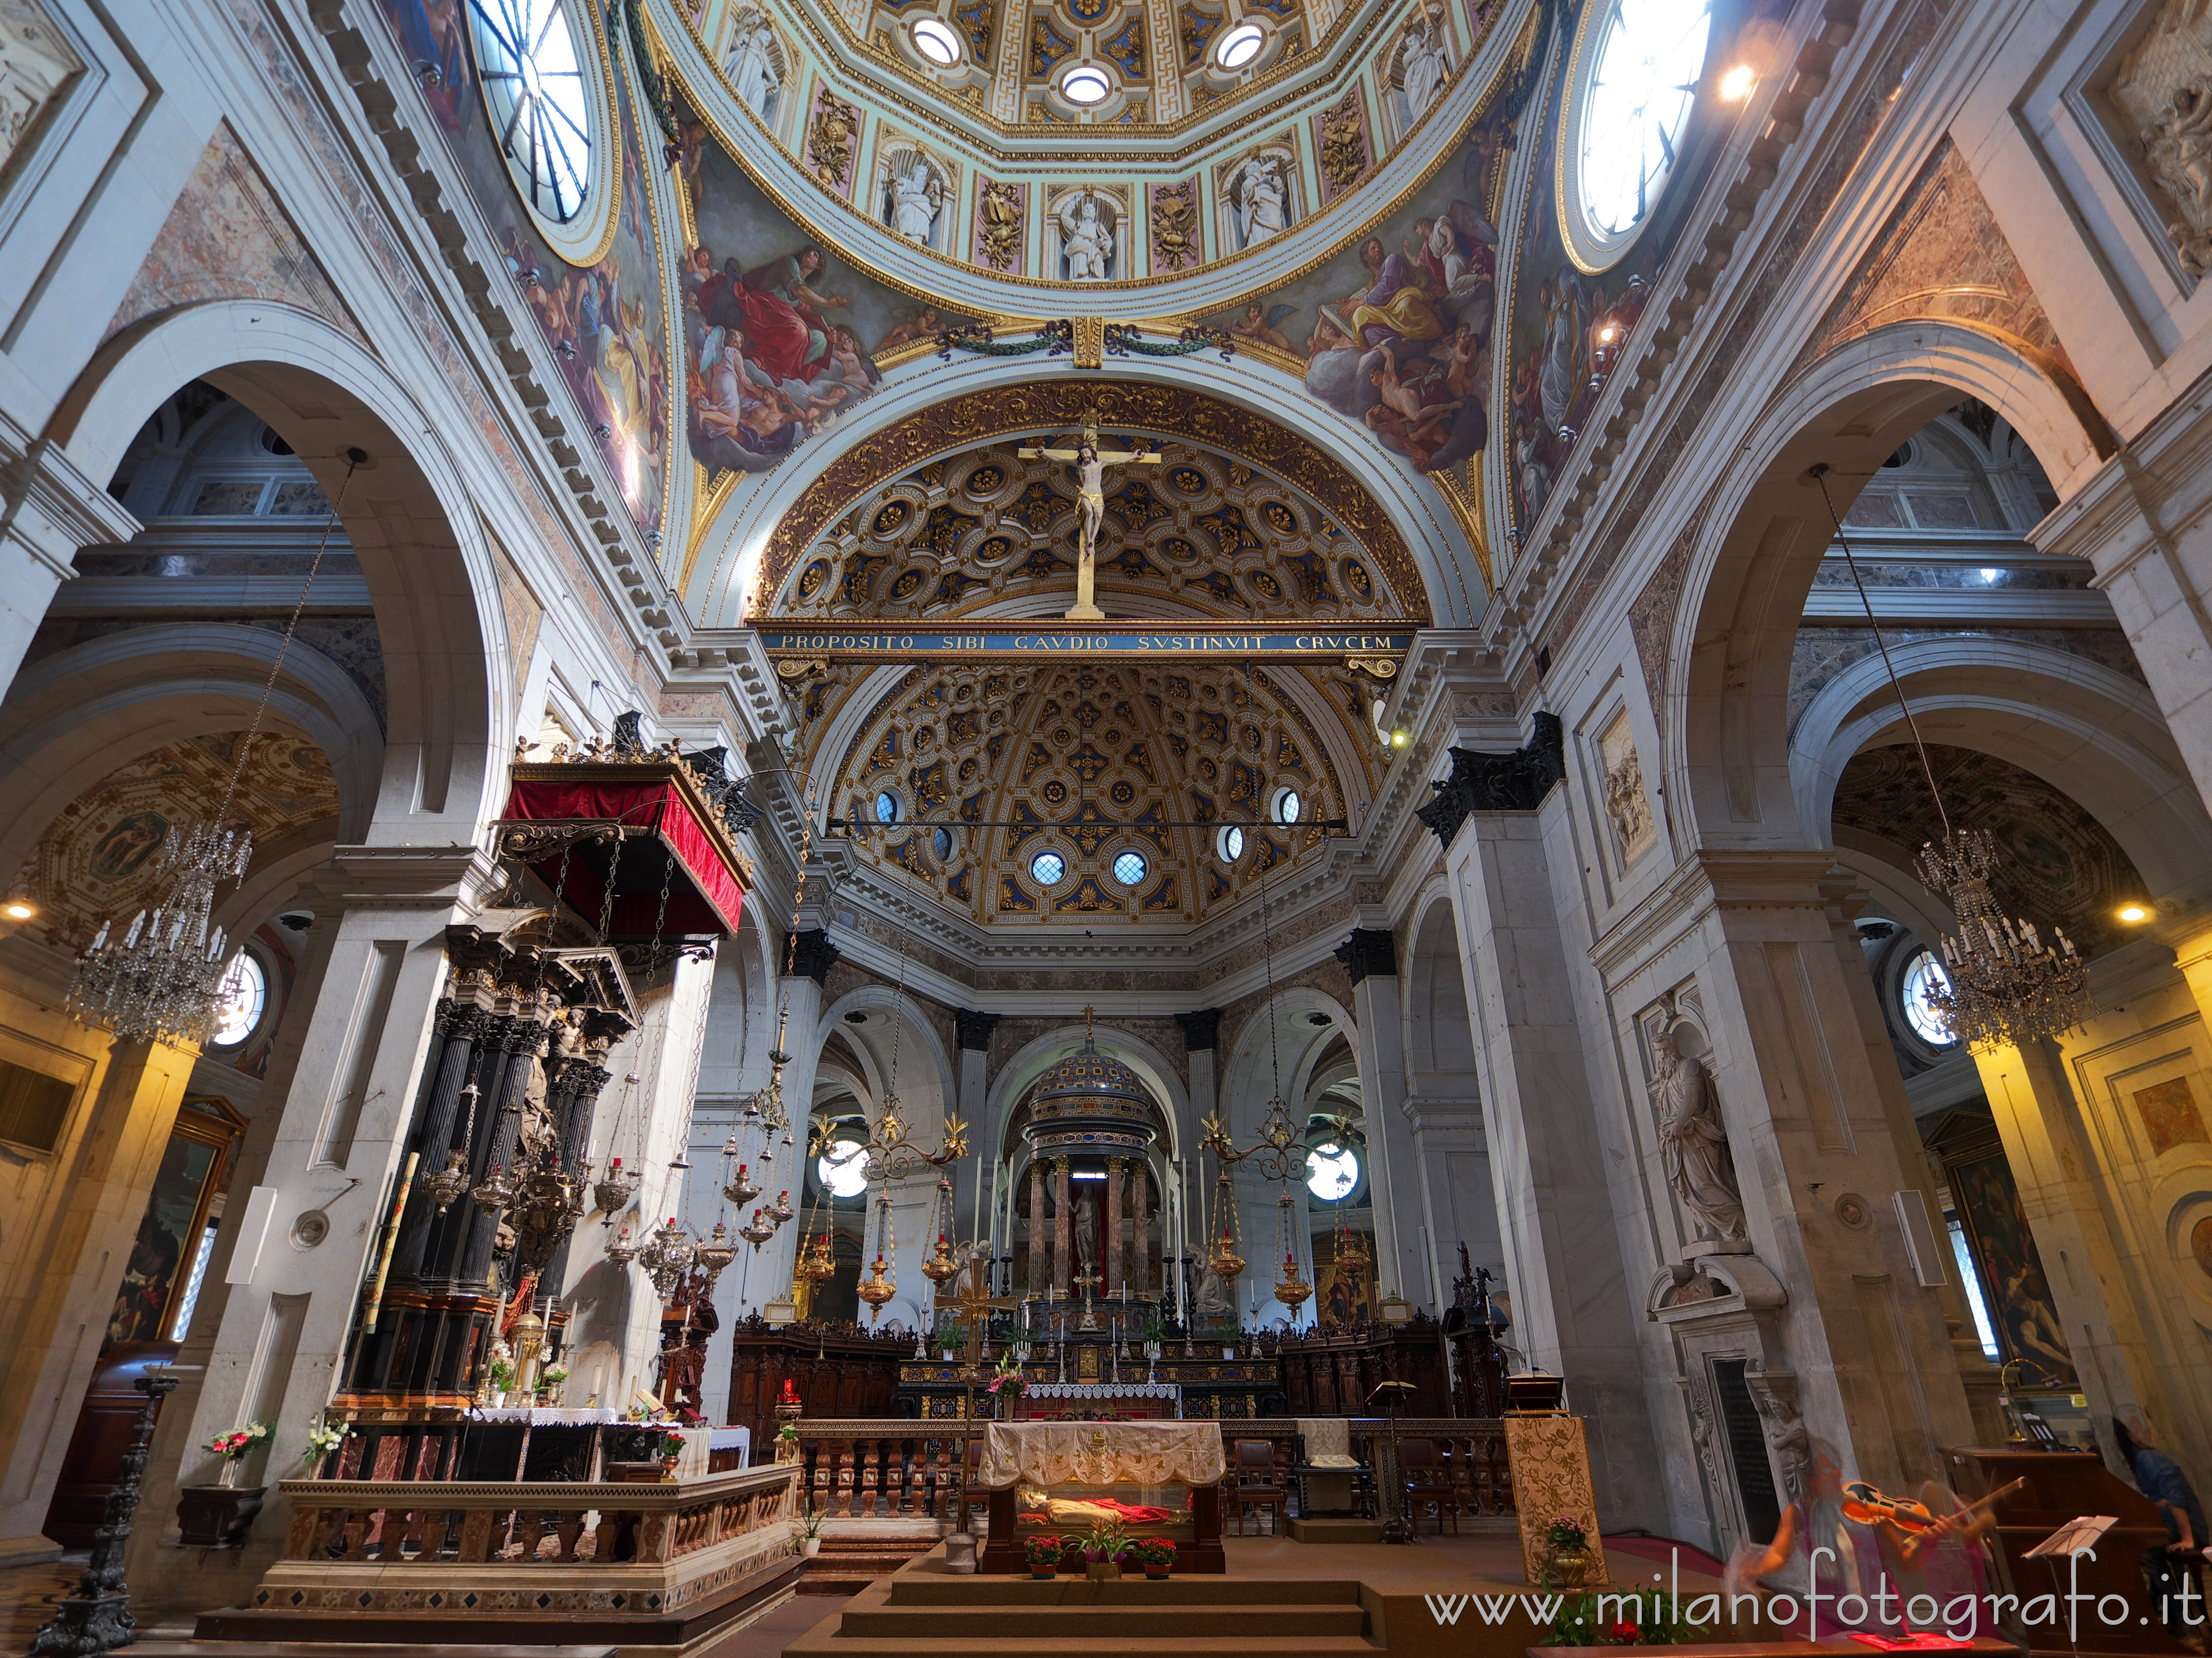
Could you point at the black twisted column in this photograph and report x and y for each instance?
(97, 1617)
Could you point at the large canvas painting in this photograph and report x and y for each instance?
(2013, 1283)
(781, 336)
(163, 1252)
(606, 322)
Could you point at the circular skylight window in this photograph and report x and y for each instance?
(1046, 868)
(237, 1004)
(1332, 1172)
(887, 807)
(1287, 805)
(843, 1169)
(1129, 869)
(935, 41)
(1638, 64)
(528, 59)
(1924, 980)
(1239, 46)
(1086, 84)
(1229, 844)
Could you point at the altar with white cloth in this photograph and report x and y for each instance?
(1047, 1401)
(1062, 1476)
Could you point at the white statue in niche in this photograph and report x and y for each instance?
(1086, 239)
(755, 64)
(1422, 65)
(1695, 1143)
(1263, 200)
(914, 193)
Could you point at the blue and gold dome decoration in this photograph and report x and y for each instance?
(1086, 1075)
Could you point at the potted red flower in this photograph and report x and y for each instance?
(1043, 1555)
(1157, 1555)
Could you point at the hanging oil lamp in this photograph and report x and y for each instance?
(1291, 1289)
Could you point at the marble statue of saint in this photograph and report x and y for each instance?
(1087, 1236)
(1266, 200)
(751, 68)
(916, 198)
(1213, 1295)
(1086, 240)
(1422, 71)
(1695, 1144)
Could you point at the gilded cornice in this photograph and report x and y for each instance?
(1059, 405)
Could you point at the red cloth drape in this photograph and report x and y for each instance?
(716, 899)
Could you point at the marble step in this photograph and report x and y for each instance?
(1102, 1620)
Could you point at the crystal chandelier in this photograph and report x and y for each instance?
(159, 981)
(2006, 986)
(666, 1256)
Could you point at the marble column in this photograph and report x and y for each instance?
(1139, 1202)
(1201, 1031)
(1402, 1266)
(271, 1328)
(1037, 1285)
(1063, 1227)
(55, 1339)
(767, 1279)
(975, 1039)
(1110, 1234)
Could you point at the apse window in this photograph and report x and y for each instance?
(1229, 844)
(935, 41)
(942, 840)
(1922, 981)
(843, 1169)
(1332, 1172)
(529, 61)
(1287, 805)
(1046, 868)
(1239, 46)
(239, 1002)
(886, 807)
(1086, 85)
(1630, 117)
(1129, 869)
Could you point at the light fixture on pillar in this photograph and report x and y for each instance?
(2005, 985)
(159, 981)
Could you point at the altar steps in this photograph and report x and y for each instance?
(848, 1564)
(924, 1614)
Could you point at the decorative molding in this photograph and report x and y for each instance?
(1514, 782)
(813, 954)
(1201, 1030)
(1371, 951)
(975, 1029)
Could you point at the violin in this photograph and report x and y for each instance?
(1864, 1505)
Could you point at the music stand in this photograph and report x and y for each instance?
(2078, 1536)
(1396, 1527)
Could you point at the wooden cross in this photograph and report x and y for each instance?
(1090, 463)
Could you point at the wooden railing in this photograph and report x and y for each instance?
(873, 1469)
(426, 1522)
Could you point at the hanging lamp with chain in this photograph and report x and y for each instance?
(2006, 986)
(161, 981)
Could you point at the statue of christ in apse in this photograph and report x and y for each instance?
(1090, 463)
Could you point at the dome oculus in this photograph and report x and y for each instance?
(1239, 46)
(1086, 84)
(935, 41)
(1046, 868)
(1638, 64)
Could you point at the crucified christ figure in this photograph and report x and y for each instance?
(1091, 464)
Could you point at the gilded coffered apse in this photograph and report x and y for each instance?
(1001, 782)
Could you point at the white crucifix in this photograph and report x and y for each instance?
(1090, 463)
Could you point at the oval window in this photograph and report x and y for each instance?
(935, 41)
(843, 1169)
(1129, 869)
(943, 841)
(1638, 65)
(1239, 46)
(533, 86)
(1286, 805)
(237, 1004)
(1229, 844)
(1921, 983)
(1086, 84)
(886, 807)
(1332, 1172)
(1046, 868)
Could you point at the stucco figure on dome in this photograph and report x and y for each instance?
(1257, 196)
(1089, 240)
(912, 192)
(1418, 69)
(756, 65)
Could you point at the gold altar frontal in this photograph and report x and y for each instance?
(1549, 1455)
(1060, 1477)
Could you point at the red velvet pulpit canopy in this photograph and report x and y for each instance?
(672, 836)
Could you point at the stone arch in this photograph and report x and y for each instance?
(1439, 1035)
(1765, 528)
(916, 1033)
(2089, 732)
(1014, 1079)
(408, 517)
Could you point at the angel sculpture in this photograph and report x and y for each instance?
(1265, 209)
(1087, 240)
(914, 197)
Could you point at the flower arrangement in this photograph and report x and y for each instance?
(1156, 1555)
(1107, 1543)
(1566, 1533)
(1007, 1382)
(670, 1445)
(1656, 1621)
(499, 1373)
(238, 1444)
(1042, 1553)
(322, 1440)
(549, 1379)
